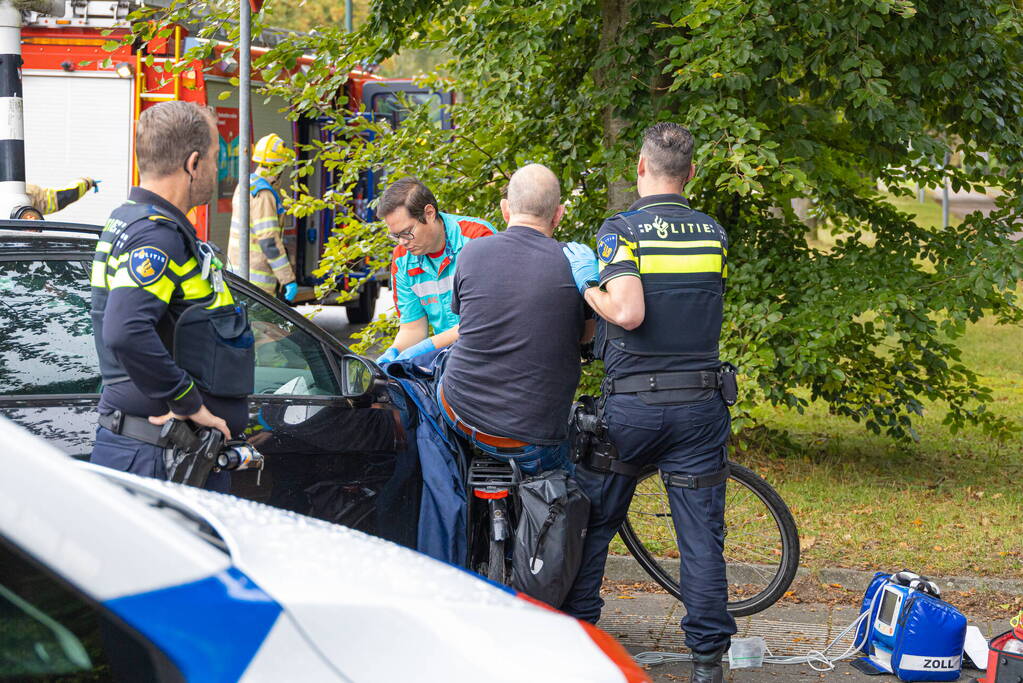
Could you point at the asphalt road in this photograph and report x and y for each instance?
(334, 319)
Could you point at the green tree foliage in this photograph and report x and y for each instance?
(787, 99)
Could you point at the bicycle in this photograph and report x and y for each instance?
(761, 539)
(492, 485)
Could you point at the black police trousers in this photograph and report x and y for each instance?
(131, 455)
(687, 438)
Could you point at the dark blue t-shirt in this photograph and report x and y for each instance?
(515, 367)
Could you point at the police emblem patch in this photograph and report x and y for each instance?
(146, 265)
(607, 247)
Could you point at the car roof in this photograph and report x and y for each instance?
(16, 236)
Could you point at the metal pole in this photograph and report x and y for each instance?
(244, 106)
(12, 114)
(349, 23)
(944, 195)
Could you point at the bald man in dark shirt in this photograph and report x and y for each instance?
(510, 378)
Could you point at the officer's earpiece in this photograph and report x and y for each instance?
(195, 164)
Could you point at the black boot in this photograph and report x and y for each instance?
(707, 666)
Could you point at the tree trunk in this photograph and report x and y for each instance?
(614, 21)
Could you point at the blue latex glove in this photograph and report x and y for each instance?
(425, 346)
(95, 185)
(387, 356)
(290, 290)
(583, 262)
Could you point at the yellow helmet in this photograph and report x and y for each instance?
(270, 150)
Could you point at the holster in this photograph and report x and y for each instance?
(728, 383)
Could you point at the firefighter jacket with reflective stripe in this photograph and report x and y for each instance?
(53, 199)
(680, 256)
(268, 259)
(145, 276)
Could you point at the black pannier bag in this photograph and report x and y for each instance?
(549, 537)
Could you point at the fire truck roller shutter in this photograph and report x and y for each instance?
(79, 124)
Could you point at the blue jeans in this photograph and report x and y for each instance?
(531, 458)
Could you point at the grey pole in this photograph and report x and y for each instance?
(244, 106)
(13, 200)
(944, 195)
(349, 23)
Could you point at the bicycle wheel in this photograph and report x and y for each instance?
(496, 563)
(761, 539)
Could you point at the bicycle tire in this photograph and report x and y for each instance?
(496, 562)
(757, 496)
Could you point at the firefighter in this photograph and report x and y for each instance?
(428, 243)
(658, 293)
(52, 199)
(150, 274)
(269, 267)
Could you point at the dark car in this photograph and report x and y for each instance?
(334, 445)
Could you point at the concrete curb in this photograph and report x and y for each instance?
(624, 568)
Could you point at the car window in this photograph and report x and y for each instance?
(47, 345)
(288, 360)
(50, 633)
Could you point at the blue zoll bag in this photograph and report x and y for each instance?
(910, 631)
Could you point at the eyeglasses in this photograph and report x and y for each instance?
(405, 235)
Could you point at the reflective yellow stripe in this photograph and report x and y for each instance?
(99, 274)
(680, 263)
(196, 287)
(160, 218)
(223, 298)
(183, 268)
(724, 271)
(279, 262)
(266, 223)
(188, 389)
(115, 261)
(624, 253)
(104, 247)
(162, 289)
(665, 244)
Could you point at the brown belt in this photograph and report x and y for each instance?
(482, 437)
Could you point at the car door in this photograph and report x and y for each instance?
(335, 458)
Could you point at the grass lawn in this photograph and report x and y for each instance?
(948, 505)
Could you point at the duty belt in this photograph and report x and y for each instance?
(664, 381)
(138, 428)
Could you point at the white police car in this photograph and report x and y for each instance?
(105, 575)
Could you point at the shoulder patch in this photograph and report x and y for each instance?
(607, 247)
(146, 265)
(473, 229)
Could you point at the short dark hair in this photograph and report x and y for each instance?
(409, 192)
(668, 148)
(167, 134)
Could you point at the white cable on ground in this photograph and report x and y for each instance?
(818, 660)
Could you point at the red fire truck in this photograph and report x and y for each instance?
(79, 120)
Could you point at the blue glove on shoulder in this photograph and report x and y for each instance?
(583, 262)
(387, 356)
(425, 346)
(290, 290)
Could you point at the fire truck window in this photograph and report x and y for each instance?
(389, 103)
(47, 345)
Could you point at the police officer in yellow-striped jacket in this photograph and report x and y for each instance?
(269, 267)
(171, 340)
(659, 293)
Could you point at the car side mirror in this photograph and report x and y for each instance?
(360, 377)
